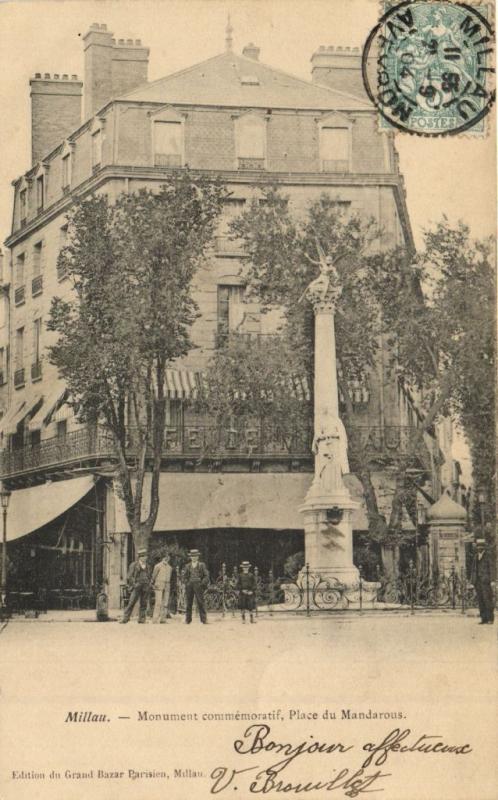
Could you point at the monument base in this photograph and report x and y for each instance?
(329, 589)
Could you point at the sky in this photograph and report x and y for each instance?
(449, 175)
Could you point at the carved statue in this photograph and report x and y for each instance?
(325, 288)
(331, 455)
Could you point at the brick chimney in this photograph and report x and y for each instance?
(111, 68)
(55, 111)
(251, 51)
(339, 68)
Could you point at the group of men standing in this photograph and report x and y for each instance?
(196, 580)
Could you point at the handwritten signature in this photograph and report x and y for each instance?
(352, 781)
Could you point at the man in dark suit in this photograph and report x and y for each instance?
(139, 583)
(196, 577)
(482, 581)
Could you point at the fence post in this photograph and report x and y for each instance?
(411, 571)
(223, 582)
(270, 579)
(453, 587)
(308, 590)
(360, 571)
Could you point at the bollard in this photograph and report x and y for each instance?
(308, 613)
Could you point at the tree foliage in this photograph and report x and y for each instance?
(131, 265)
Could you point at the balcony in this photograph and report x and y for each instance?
(36, 371)
(20, 295)
(251, 163)
(19, 378)
(37, 285)
(202, 441)
(224, 246)
(167, 160)
(335, 165)
(389, 443)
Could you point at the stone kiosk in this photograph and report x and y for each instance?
(331, 576)
(447, 523)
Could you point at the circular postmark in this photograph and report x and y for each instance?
(428, 67)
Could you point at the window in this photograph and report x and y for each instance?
(62, 429)
(40, 192)
(168, 144)
(335, 149)
(61, 271)
(37, 259)
(230, 310)
(232, 208)
(19, 290)
(20, 261)
(66, 171)
(251, 141)
(3, 366)
(96, 149)
(19, 348)
(23, 202)
(37, 329)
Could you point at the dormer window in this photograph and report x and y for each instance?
(40, 192)
(66, 172)
(23, 205)
(168, 144)
(249, 80)
(335, 141)
(96, 150)
(251, 141)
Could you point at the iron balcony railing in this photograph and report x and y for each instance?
(19, 295)
(19, 378)
(37, 285)
(193, 441)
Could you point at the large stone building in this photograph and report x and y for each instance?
(232, 116)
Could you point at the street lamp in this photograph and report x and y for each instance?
(481, 500)
(4, 500)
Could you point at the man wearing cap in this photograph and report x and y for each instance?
(481, 580)
(196, 577)
(246, 586)
(138, 582)
(161, 583)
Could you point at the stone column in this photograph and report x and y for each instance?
(328, 507)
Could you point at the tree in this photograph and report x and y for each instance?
(419, 306)
(131, 265)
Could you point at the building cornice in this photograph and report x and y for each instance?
(256, 178)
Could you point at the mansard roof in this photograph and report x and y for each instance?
(232, 80)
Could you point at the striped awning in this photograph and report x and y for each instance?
(50, 404)
(182, 384)
(9, 426)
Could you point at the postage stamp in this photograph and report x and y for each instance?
(429, 67)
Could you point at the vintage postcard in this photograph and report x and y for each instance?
(247, 400)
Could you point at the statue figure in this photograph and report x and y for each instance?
(324, 288)
(331, 455)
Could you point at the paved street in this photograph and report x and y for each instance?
(436, 669)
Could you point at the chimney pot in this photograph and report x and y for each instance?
(129, 41)
(37, 74)
(55, 112)
(121, 41)
(74, 77)
(64, 77)
(338, 67)
(56, 76)
(138, 42)
(251, 51)
(47, 76)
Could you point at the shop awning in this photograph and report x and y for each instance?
(30, 509)
(10, 427)
(50, 403)
(13, 411)
(182, 384)
(230, 500)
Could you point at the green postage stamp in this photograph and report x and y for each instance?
(429, 67)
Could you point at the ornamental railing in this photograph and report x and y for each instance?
(195, 441)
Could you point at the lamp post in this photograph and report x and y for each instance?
(4, 499)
